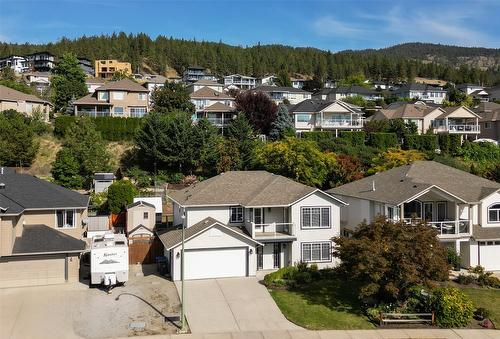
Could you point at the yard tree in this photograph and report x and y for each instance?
(401, 128)
(388, 258)
(120, 194)
(347, 168)
(66, 169)
(206, 147)
(240, 133)
(68, 82)
(394, 158)
(18, 142)
(297, 159)
(88, 148)
(283, 125)
(259, 109)
(170, 98)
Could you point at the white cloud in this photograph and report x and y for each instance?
(329, 26)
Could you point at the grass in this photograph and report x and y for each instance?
(324, 304)
(486, 298)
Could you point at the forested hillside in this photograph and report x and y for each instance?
(398, 62)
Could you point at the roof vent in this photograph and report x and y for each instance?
(373, 185)
(2, 186)
(1, 170)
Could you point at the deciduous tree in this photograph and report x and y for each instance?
(258, 109)
(170, 98)
(68, 82)
(120, 194)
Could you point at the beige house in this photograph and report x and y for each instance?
(141, 219)
(212, 103)
(105, 69)
(41, 231)
(24, 103)
(123, 98)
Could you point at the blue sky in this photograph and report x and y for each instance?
(331, 25)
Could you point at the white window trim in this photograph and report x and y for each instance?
(494, 209)
(64, 218)
(302, 227)
(231, 214)
(117, 94)
(142, 96)
(321, 243)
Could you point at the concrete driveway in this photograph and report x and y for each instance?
(231, 305)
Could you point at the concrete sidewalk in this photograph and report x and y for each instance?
(349, 334)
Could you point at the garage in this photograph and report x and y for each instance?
(32, 271)
(216, 263)
(211, 250)
(489, 255)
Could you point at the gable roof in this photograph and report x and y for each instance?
(9, 94)
(247, 188)
(140, 203)
(173, 237)
(270, 89)
(318, 105)
(209, 93)
(91, 99)
(37, 239)
(122, 85)
(23, 191)
(419, 87)
(406, 110)
(219, 107)
(450, 110)
(487, 106)
(399, 184)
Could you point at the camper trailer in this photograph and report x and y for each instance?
(109, 259)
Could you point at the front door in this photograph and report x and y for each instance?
(428, 211)
(277, 255)
(260, 257)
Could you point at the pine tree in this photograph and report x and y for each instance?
(283, 125)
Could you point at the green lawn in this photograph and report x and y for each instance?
(324, 304)
(487, 298)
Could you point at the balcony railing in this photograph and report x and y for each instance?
(272, 230)
(93, 114)
(447, 227)
(459, 128)
(341, 123)
(220, 121)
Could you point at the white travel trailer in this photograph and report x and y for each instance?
(109, 259)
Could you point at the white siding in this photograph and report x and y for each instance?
(483, 217)
(355, 213)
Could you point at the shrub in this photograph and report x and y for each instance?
(452, 307)
(354, 138)
(424, 142)
(465, 279)
(61, 125)
(281, 277)
(111, 128)
(487, 279)
(449, 143)
(318, 135)
(453, 258)
(383, 140)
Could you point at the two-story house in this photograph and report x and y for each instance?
(39, 80)
(240, 81)
(278, 94)
(212, 102)
(242, 221)
(421, 91)
(122, 98)
(42, 61)
(41, 231)
(463, 208)
(16, 62)
(24, 103)
(105, 69)
(195, 73)
(324, 115)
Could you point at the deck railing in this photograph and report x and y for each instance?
(446, 227)
(273, 229)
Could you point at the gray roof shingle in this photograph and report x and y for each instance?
(401, 183)
(23, 191)
(247, 188)
(45, 239)
(486, 233)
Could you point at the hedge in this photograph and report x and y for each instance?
(318, 135)
(111, 128)
(382, 140)
(355, 138)
(449, 143)
(424, 142)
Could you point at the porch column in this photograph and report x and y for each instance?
(402, 212)
(95, 111)
(457, 216)
(457, 246)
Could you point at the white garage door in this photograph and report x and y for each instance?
(215, 263)
(489, 256)
(32, 271)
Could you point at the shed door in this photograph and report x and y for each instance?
(216, 263)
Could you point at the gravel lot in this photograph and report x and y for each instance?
(74, 310)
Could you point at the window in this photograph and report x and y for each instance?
(390, 212)
(303, 117)
(142, 96)
(137, 112)
(145, 215)
(102, 95)
(494, 213)
(118, 95)
(315, 217)
(118, 110)
(487, 125)
(65, 218)
(316, 252)
(236, 214)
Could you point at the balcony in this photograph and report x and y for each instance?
(341, 123)
(93, 114)
(273, 231)
(447, 228)
(459, 129)
(220, 122)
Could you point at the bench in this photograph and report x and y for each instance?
(407, 318)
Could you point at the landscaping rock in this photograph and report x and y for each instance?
(487, 323)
